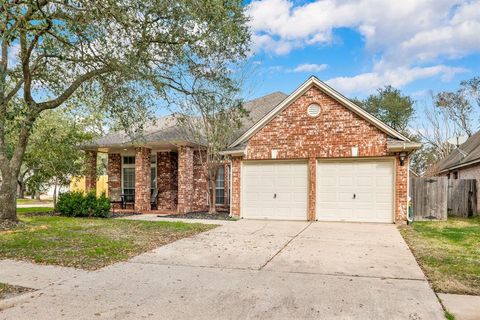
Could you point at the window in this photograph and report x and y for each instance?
(220, 186)
(128, 177)
(153, 171)
(129, 182)
(455, 175)
(129, 160)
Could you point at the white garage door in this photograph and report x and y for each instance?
(355, 191)
(274, 190)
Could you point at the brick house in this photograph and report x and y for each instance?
(462, 163)
(310, 155)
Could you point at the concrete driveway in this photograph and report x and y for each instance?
(253, 270)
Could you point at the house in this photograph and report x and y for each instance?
(463, 162)
(310, 155)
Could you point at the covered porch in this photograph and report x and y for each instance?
(156, 178)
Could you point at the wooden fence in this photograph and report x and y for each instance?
(462, 197)
(435, 198)
(429, 198)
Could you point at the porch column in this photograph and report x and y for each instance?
(114, 172)
(185, 179)
(142, 179)
(167, 180)
(90, 171)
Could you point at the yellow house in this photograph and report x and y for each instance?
(78, 184)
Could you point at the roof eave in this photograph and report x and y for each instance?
(466, 164)
(238, 153)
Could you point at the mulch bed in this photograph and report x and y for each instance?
(9, 291)
(200, 215)
(123, 214)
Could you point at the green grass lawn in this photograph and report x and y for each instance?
(448, 252)
(87, 243)
(22, 211)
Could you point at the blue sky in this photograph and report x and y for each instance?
(417, 46)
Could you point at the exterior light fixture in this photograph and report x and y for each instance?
(402, 156)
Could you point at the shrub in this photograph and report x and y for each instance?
(77, 204)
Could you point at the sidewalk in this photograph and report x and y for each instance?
(463, 307)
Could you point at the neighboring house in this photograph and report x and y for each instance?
(463, 162)
(310, 155)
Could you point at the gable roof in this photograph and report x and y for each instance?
(466, 154)
(314, 81)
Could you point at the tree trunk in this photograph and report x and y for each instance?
(212, 207)
(8, 199)
(21, 190)
(55, 196)
(37, 195)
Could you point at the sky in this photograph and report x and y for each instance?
(418, 46)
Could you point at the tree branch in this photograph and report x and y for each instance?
(52, 104)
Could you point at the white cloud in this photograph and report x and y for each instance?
(406, 40)
(368, 82)
(13, 52)
(309, 67)
(401, 31)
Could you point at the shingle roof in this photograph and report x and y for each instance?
(260, 107)
(165, 129)
(467, 153)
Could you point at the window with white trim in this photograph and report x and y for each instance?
(220, 186)
(128, 177)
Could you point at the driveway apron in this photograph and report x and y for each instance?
(252, 270)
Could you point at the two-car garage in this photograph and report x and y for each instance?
(346, 190)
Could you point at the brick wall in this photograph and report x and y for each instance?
(236, 172)
(114, 171)
(401, 190)
(296, 135)
(90, 171)
(185, 179)
(142, 179)
(332, 134)
(167, 169)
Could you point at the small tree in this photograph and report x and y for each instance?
(53, 153)
(211, 119)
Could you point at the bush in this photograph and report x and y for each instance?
(77, 204)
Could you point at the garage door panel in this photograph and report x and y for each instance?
(370, 180)
(365, 181)
(261, 181)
